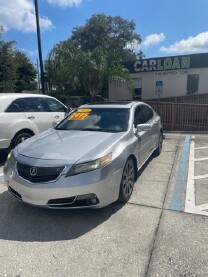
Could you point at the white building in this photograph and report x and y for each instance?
(163, 77)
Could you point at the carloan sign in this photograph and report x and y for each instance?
(167, 63)
(162, 64)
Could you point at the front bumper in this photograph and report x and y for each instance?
(103, 184)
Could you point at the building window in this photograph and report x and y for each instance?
(137, 93)
(192, 83)
(137, 89)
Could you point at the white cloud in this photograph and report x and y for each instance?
(195, 44)
(153, 39)
(30, 52)
(134, 44)
(20, 15)
(65, 3)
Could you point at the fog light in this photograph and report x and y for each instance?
(93, 200)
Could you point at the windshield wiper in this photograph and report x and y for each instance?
(95, 130)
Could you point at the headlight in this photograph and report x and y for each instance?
(11, 159)
(89, 166)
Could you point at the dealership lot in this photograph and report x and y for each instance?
(162, 231)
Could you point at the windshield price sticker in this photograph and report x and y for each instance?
(84, 110)
(81, 114)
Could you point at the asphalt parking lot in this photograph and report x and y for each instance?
(161, 231)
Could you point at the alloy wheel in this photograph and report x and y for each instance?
(127, 182)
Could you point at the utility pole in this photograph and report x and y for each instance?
(38, 73)
(39, 47)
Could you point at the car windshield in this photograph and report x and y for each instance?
(96, 119)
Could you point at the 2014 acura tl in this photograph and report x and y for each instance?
(90, 159)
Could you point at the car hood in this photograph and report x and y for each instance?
(69, 146)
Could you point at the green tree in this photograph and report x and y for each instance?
(92, 69)
(62, 66)
(25, 73)
(114, 34)
(71, 68)
(87, 60)
(7, 65)
(17, 72)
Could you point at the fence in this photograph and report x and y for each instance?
(182, 117)
(195, 98)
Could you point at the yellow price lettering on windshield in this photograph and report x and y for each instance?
(78, 116)
(84, 111)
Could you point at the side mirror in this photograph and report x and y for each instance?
(143, 127)
(68, 110)
(54, 124)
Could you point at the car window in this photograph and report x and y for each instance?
(54, 105)
(148, 112)
(138, 117)
(15, 107)
(34, 104)
(97, 119)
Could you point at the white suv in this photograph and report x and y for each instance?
(24, 115)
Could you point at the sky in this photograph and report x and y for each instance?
(167, 27)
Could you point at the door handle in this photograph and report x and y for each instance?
(31, 117)
(56, 116)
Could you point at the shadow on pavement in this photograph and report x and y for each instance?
(20, 222)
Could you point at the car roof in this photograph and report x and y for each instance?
(121, 104)
(20, 95)
(7, 98)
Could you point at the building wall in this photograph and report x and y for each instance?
(118, 91)
(203, 80)
(174, 84)
(166, 74)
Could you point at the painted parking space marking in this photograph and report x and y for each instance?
(201, 177)
(200, 159)
(177, 200)
(190, 202)
(201, 148)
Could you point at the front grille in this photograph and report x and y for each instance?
(40, 175)
(38, 179)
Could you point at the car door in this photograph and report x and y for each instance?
(12, 121)
(58, 110)
(38, 115)
(151, 119)
(142, 148)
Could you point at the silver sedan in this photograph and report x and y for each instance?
(90, 159)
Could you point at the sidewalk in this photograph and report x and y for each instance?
(180, 247)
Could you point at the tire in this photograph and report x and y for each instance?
(127, 181)
(158, 150)
(20, 138)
